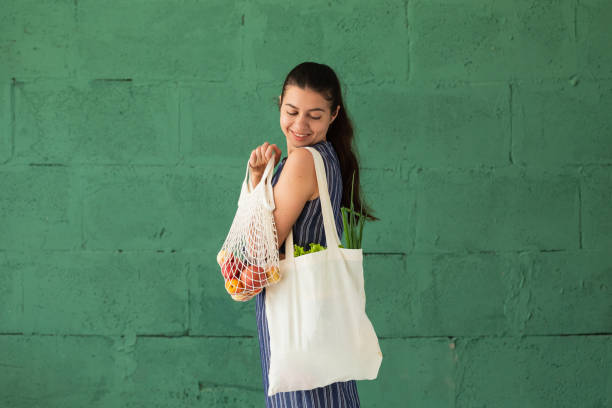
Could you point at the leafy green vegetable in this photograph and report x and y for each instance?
(315, 248)
(353, 223)
(298, 250)
(353, 230)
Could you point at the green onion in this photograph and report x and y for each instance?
(353, 223)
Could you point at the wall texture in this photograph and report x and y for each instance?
(485, 135)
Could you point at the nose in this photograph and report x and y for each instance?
(302, 122)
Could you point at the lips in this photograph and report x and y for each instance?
(300, 136)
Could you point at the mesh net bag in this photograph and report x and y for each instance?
(249, 258)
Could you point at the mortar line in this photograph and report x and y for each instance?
(453, 338)
(82, 210)
(579, 214)
(179, 129)
(237, 166)
(576, 20)
(511, 120)
(242, 40)
(408, 51)
(517, 251)
(13, 108)
(23, 298)
(414, 221)
(188, 308)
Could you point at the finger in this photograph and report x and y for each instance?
(269, 153)
(277, 153)
(260, 156)
(264, 153)
(253, 158)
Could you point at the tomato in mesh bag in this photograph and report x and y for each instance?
(249, 258)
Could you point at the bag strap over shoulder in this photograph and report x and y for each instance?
(329, 223)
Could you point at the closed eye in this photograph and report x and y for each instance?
(295, 113)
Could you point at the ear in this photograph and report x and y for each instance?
(335, 114)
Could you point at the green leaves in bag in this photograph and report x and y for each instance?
(353, 229)
(353, 223)
(298, 250)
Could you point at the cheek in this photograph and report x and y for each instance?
(320, 127)
(285, 121)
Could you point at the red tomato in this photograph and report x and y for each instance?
(253, 277)
(231, 268)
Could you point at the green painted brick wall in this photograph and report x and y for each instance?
(485, 136)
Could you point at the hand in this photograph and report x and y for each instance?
(259, 160)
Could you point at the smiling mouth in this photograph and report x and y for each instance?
(300, 135)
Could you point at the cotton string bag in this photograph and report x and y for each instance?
(319, 330)
(249, 258)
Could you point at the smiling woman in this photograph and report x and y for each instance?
(305, 117)
(312, 114)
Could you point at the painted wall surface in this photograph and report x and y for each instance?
(485, 135)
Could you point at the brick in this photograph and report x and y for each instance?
(40, 371)
(474, 41)
(96, 122)
(596, 196)
(361, 41)
(196, 371)
(566, 371)
(414, 373)
(40, 208)
(594, 35)
(433, 126)
(38, 39)
(11, 292)
(570, 292)
(213, 312)
(388, 307)
(133, 208)
(465, 294)
(105, 293)
(140, 39)
(548, 118)
(392, 200)
(208, 137)
(451, 294)
(497, 209)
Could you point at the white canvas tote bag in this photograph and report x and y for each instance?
(319, 330)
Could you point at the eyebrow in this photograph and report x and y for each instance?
(315, 109)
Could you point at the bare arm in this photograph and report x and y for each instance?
(296, 185)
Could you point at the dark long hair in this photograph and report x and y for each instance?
(322, 79)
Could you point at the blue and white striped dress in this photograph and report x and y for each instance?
(308, 228)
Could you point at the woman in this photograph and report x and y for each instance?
(312, 113)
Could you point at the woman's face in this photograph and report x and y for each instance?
(304, 117)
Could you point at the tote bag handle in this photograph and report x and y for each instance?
(329, 224)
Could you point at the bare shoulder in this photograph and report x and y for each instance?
(299, 172)
(301, 159)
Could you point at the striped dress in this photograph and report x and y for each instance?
(308, 228)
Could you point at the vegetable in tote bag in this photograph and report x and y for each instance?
(319, 330)
(249, 257)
